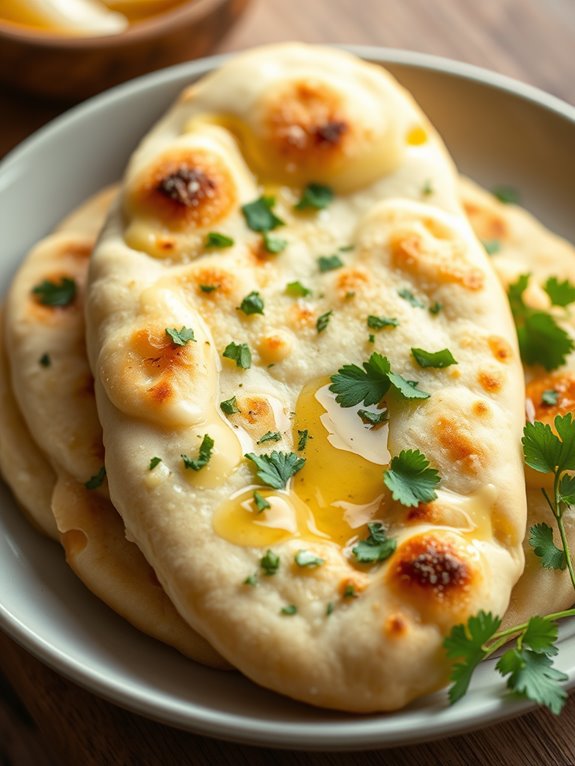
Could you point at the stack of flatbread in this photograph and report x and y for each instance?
(207, 372)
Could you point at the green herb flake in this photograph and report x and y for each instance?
(560, 293)
(270, 563)
(45, 360)
(204, 455)
(240, 354)
(378, 322)
(550, 397)
(373, 419)
(492, 246)
(408, 296)
(509, 195)
(376, 547)
(260, 502)
(329, 608)
(252, 304)
(408, 389)
(55, 294)
(437, 359)
(274, 245)
(96, 480)
(435, 308)
(251, 580)
(303, 437)
(276, 469)
(270, 436)
(289, 610)
(229, 406)
(371, 338)
(315, 196)
(216, 240)
(180, 337)
(304, 558)
(297, 290)
(427, 188)
(410, 479)
(259, 215)
(349, 591)
(323, 321)
(155, 461)
(208, 288)
(329, 263)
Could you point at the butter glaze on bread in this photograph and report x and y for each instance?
(340, 635)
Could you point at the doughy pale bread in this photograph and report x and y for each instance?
(60, 396)
(525, 246)
(339, 634)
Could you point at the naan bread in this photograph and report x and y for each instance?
(525, 246)
(56, 396)
(338, 634)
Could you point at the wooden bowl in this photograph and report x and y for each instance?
(73, 68)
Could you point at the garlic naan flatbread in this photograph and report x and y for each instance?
(177, 325)
(45, 342)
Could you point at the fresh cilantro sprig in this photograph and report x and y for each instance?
(410, 479)
(541, 340)
(376, 547)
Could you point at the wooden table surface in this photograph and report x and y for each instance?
(45, 719)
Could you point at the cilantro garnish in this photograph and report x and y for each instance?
(96, 480)
(240, 354)
(215, 239)
(270, 436)
(465, 644)
(541, 540)
(270, 563)
(252, 304)
(297, 290)
(277, 468)
(376, 547)
(155, 461)
(491, 246)
(435, 307)
(303, 436)
(550, 397)
(349, 591)
(315, 196)
(204, 455)
(371, 338)
(560, 293)
(373, 418)
(410, 478)
(439, 359)
(57, 294)
(289, 610)
(506, 194)
(208, 288)
(378, 323)
(251, 580)
(408, 296)
(329, 608)
(45, 360)
(229, 406)
(541, 340)
(323, 321)
(427, 188)
(260, 502)
(329, 263)
(180, 337)
(304, 558)
(259, 215)
(274, 245)
(407, 388)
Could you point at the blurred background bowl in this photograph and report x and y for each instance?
(72, 68)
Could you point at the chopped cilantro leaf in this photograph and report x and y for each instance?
(315, 196)
(376, 547)
(251, 580)
(208, 288)
(378, 323)
(297, 290)
(96, 480)
(270, 563)
(541, 540)
(204, 455)
(373, 418)
(329, 263)
(408, 296)
(410, 479)
(180, 337)
(57, 294)
(260, 502)
(229, 406)
(270, 436)
(155, 461)
(407, 388)
(323, 321)
(353, 385)
(349, 591)
(435, 307)
(491, 246)
(560, 293)
(252, 304)
(45, 360)
(329, 608)
(439, 359)
(427, 189)
(506, 194)
(274, 244)
(277, 468)
(303, 437)
(550, 397)
(215, 239)
(371, 338)
(465, 644)
(240, 354)
(289, 610)
(259, 215)
(304, 558)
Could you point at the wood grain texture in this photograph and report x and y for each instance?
(527, 39)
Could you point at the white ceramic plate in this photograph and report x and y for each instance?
(499, 132)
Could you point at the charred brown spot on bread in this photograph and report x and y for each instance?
(306, 121)
(275, 348)
(490, 380)
(157, 351)
(395, 626)
(500, 348)
(480, 409)
(301, 315)
(85, 387)
(166, 244)
(162, 391)
(563, 384)
(422, 512)
(438, 260)
(459, 443)
(80, 251)
(487, 224)
(256, 415)
(185, 188)
(74, 541)
(351, 280)
(224, 282)
(429, 566)
(352, 587)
